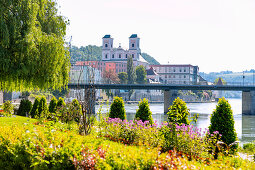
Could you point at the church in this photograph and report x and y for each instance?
(119, 55)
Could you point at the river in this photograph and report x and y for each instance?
(244, 124)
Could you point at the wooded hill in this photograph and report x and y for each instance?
(93, 52)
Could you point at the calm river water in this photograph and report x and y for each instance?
(244, 125)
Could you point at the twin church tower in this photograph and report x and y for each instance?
(119, 54)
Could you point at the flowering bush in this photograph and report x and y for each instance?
(131, 132)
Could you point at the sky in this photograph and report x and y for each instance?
(216, 35)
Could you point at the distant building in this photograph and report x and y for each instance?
(177, 74)
(119, 55)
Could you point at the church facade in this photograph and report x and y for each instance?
(119, 55)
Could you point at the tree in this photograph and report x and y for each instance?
(117, 109)
(140, 74)
(143, 113)
(123, 77)
(43, 108)
(76, 110)
(222, 121)
(53, 105)
(178, 112)
(131, 75)
(61, 102)
(24, 107)
(110, 77)
(221, 80)
(34, 110)
(130, 71)
(32, 51)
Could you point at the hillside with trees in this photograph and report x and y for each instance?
(93, 52)
(232, 78)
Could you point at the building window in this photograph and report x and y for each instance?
(133, 55)
(119, 55)
(184, 76)
(184, 70)
(113, 56)
(174, 70)
(133, 45)
(169, 76)
(126, 55)
(106, 45)
(105, 55)
(165, 76)
(180, 70)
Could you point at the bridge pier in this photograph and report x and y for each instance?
(248, 102)
(169, 96)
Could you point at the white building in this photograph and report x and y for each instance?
(119, 55)
(177, 74)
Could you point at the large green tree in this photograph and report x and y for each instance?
(131, 75)
(123, 77)
(32, 51)
(140, 74)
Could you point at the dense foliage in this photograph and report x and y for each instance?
(178, 112)
(32, 52)
(24, 107)
(42, 108)
(27, 143)
(140, 74)
(123, 77)
(93, 52)
(34, 110)
(150, 59)
(117, 109)
(143, 113)
(222, 120)
(53, 105)
(61, 102)
(8, 107)
(90, 52)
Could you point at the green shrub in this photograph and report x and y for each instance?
(61, 102)
(178, 112)
(117, 109)
(34, 110)
(222, 121)
(249, 147)
(8, 108)
(43, 108)
(143, 113)
(24, 107)
(53, 105)
(76, 110)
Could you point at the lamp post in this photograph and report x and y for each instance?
(243, 78)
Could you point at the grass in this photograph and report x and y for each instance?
(15, 120)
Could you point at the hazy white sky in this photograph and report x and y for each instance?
(216, 35)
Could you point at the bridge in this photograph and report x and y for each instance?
(170, 91)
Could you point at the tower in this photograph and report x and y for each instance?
(107, 47)
(134, 46)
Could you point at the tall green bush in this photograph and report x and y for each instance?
(117, 109)
(43, 108)
(178, 112)
(24, 107)
(53, 105)
(8, 108)
(61, 102)
(143, 113)
(34, 110)
(222, 121)
(76, 110)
